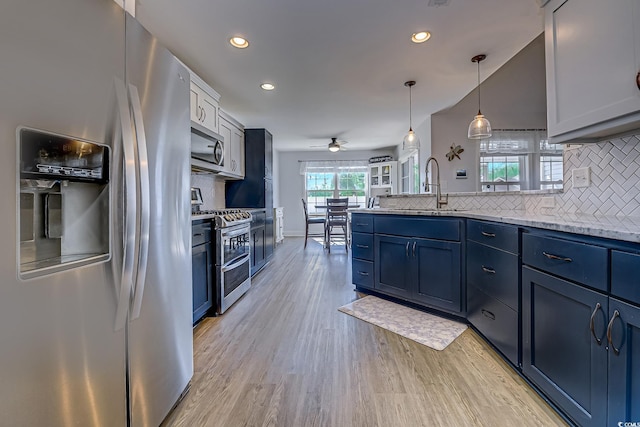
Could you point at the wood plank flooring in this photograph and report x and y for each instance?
(283, 355)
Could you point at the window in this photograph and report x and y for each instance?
(410, 175)
(520, 160)
(324, 180)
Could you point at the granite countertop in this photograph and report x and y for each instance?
(611, 227)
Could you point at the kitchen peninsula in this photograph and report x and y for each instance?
(527, 277)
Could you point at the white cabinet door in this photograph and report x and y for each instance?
(204, 107)
(233, 147)
(592, 62)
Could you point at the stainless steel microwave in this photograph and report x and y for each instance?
(207, 149)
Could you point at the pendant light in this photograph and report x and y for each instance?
(480, 127)
(411, 140)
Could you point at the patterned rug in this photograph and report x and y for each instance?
(424, 328)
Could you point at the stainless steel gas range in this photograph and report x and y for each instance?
(231, 254)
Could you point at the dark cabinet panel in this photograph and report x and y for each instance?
(496, 321)
(495, 272)
(437, 273)
(420, 270)
(574, 260)
(362, 245)
(625, 275)
(362, 273)
(424, 227)
(202, 279)
(624, 362)
(257, 249)
(501, 236)
(361, 223)
(394, 268)
(562, 325)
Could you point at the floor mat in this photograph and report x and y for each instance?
(424, 328)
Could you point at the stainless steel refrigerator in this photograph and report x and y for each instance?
(95, 273)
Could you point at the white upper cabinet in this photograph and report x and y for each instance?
(233, 133)
(204, 104)
(593, 64)
(383, 178)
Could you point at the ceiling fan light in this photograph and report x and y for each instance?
(479, 128)
(334, 146)
(411, 141)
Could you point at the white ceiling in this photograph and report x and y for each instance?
(339, 66)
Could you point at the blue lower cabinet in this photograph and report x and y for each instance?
(564, 348)
(624, 362)
(496, 321)
(438, 274)
(362, 273)
(394, 266)
(424, 271)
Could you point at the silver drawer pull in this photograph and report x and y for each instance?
(592, 321)
(362, 246)
(488, 270)
(361, 224)
(616, 313)
(198, 234)
(556, 257)
(363, 273)
(485, 234)
(488, 314)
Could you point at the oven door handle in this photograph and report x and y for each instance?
(241, 260)
(234, 233)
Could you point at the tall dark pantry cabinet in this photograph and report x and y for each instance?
(255, 193)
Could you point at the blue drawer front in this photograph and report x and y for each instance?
(362, 273)
(361, 223)
(200, 233)
(581, 262)
(625, 275)
(499, 236)
(497, 322)
(362, 246)
(494, 272)
(427, 228)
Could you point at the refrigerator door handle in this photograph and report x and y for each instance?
(130, 209)
(145, 207)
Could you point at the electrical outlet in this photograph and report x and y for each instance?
(547, 202)
(581, 177)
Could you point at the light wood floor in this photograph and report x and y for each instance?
(283, 355)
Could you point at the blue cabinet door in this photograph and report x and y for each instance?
(202, 276)
(560, 350)
(624, 362)
(438, 273)
(393, 266)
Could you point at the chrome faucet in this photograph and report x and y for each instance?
(439, 200)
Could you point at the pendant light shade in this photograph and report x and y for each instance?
(411, 140)
(480, 127)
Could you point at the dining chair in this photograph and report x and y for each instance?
(310, 220)
(336, 217)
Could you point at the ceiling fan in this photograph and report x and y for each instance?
(334, 145)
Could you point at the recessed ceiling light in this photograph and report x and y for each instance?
(267, 86)
(420, 37)
(239, 42)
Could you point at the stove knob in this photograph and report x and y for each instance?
(227, 217)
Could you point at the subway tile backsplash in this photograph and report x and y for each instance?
(614, 188)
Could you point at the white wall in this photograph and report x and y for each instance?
(288, 184)
(514, 97)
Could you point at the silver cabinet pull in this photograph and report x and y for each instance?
(557, 257)
(592, 321)
(406, 249)
(363, 273)
(488, 314)
(616, 313)
(485, 234)
(488, 270)
(414, 249)
(362, 246)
